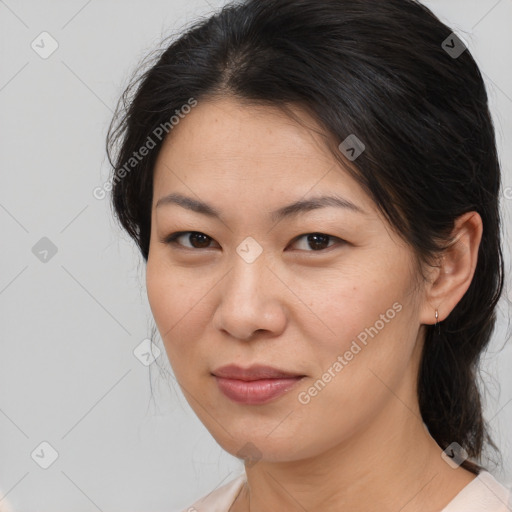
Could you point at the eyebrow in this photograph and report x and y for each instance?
(290, 210)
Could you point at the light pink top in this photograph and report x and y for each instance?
(483, 494)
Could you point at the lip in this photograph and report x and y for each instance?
(255, 385)
(254, 372)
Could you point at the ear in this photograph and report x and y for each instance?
(451, 279)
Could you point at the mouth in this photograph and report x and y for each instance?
(255, 385)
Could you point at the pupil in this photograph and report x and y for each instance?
(195, 236)
(315, 244)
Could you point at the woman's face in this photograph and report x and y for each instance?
(342, 309)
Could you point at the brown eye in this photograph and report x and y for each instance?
(316, 241)
(196, 239)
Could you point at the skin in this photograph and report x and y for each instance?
(360, 443)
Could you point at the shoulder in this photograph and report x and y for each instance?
(218, 500)
(483, 494)
(4, 504)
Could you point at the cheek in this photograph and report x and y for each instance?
(356, 370)
(349, 306)
(177, 305)
(363, 328)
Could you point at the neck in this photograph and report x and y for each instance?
(391, 464)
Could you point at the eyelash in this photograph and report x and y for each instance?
(172, 239)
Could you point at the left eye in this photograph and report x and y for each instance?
(318, 241)
(198, 240)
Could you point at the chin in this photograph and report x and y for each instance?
(260, 446)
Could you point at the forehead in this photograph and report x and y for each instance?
(227, 145)
(228, 129)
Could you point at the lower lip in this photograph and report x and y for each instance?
(256, 391)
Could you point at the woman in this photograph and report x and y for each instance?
(314, 187)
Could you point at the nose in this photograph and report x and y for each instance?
(251, 300)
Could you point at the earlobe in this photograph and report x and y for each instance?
(456, 269)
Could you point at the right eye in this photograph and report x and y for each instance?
(197, 239)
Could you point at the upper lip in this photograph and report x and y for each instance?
(254, 372)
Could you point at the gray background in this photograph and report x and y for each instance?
(69, 326)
